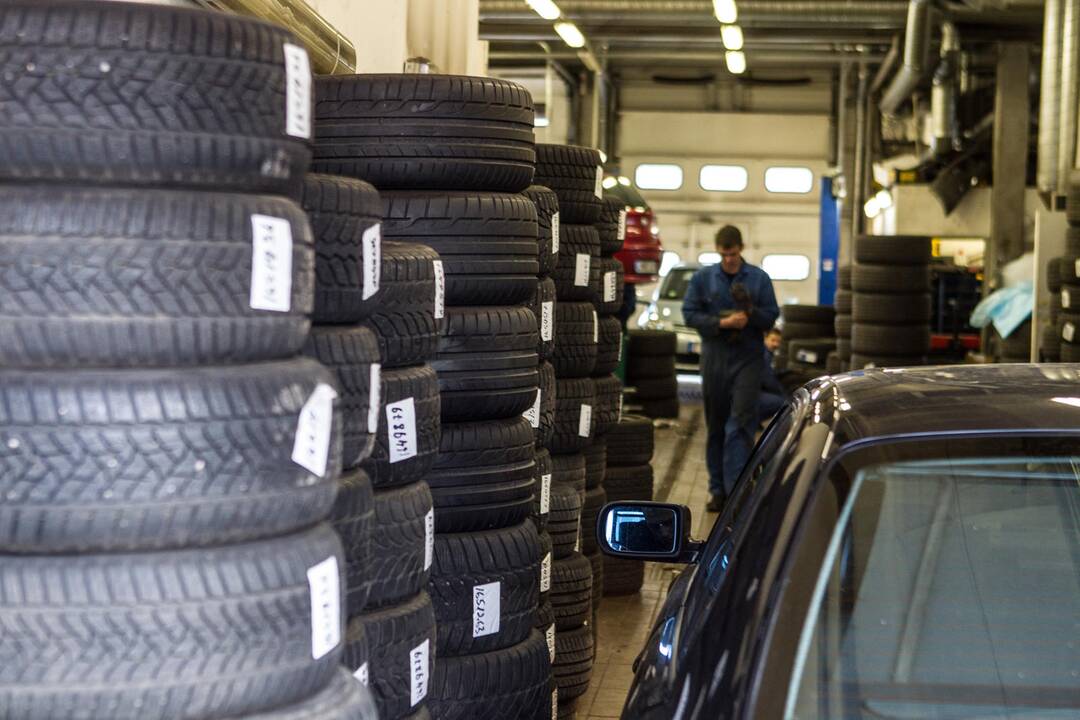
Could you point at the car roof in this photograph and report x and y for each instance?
(880, 403)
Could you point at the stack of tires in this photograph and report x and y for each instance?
(650, 370)
(890, 305)
(629, 477)
(573, 174)
(1050, 340)
(169, 459)
(808, 339)
(1065, 305)
(842, 322)
(450, 156)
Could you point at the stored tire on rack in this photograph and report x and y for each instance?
(843, 347)
(409, 454)
(832, 363)
(134, 277)
(403, 530)
(575, 174)
(542, 490)
(648, 367)
(662, 388)
(650, 342)
(608, 346)
(843, 302)
(608, 402)
(398, 639)
(575, 421)
(798, 331)
(164, 624)
(867, 362)
(576, 334)
(596, 559)
(623, 577)
(571, 591)
(1069, 327)
(842, 325)
(425, 131)
(810, 351)
(607, 284)
(590, 511)
(546, 560)
(547, 226)
(354, 520)
(484, 587)
(912, 340)
(345, 216)
(564, 521)
(1069, 352)
(573, 662)
(107, 460)
(543, 306)
(352, 353)
(891, 279)
(409, 313)
(487, 241)
(630, 442)
(566, 710)
(487, 362)
(1054, 273)
(569, 470)
(1050, 344)
(1069, 295)
(843, 279)
(629, 482)
(891, 309)
(595, 463)
(579, 249)
(667, 409)
(343, 699)
(611, 226)
(808, 314)
(145, 95)
(498, 685)
(892, 249)
(485, 475)
(542, 415)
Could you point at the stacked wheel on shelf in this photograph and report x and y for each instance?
(629, 477)
(842, 321)
(1050, 336)
(170, 459)
(650, 370)
(1064, 272)
(890, 304)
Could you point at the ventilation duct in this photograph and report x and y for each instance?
(1050, 99)
(916, 57)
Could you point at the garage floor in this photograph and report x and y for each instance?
(625, 622)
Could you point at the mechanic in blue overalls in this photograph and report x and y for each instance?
(731, 305)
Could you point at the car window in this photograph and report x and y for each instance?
(950, 589)
(675, 284)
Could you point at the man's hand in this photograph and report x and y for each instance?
(734, 321)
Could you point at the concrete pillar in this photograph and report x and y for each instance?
(447, 32)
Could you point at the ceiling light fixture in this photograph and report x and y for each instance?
(732, 37)
(725, 11)
(736, 62)
(545, 9)
(570, 34)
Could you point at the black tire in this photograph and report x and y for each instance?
(608, 403)
(148, 633)
(543, 306)
(487, 241)
(397, 638)
(1072, 199)
(1017, 346)
(590, 511)
(630, 442)
(891, 279)
(650, 342)
(499, 685)
(345, 216)
(465, 567)
(409, 313)
(566, 710)
(842, 325)
(547, 226)
(487, 362)
(1054, 273)
(569, 470)
(832, 363)
(623, 577)
(546, 561)
(808, 314)
(810, 352)
(352, 353)
(868, 362)
(1070, 298)
(799, 331)
(1050, 344)
(571, 592)
(104, 460)
(842, 304)
(401, 542)
(542, 491)
(392, 461)
(132, 277)
(607, 285)
(541, 415)
(145, 95)
(343, 699)
(1069, 327)
(1069, 352)
(564, 522)
(575, 174)
(425, 131)
(608, 346)
(579, 250)
(595, 463)
(843, 347)
(892, 249)
(576, 335)
(891, 309)
(611, 226)
(843, 278)
(575, 418)
(911, 340)
(649, 367)
(1072, 240)
(662, 388)
(1070, 268)
(573, 662)
(354, 520)
(667, 409)
(629, 482)
(596, 559)
(485, 475)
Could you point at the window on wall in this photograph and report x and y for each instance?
(798, 180)
(658, 176)
(723, 178)
(786, 267)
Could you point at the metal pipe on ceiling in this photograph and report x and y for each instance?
(1070, 94)
(844, 8)
(1049, 99)
(856, 191)
(916, 56)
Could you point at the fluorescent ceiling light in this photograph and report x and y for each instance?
(725, 11)
(570, 34)
(545, 9)
(736, 62)
(871, 208)
(732, 36)
(884, 199)
(609, 182)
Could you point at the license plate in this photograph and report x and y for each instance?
(645, 267)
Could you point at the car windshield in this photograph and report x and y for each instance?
(951, 589)
(675, 284)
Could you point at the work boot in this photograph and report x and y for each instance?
(716, 503)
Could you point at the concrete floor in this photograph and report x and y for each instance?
(625, 622)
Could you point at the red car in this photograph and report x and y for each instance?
(641, 251)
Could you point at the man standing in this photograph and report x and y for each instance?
(731, 305)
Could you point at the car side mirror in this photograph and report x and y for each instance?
(646, 531)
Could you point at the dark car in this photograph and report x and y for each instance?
(902, 544)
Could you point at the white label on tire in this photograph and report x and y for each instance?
(584, 421)
(429, 538)
(620, 407)
(1068, 332)
(362, 674)
(440, 290)
(297, 92)
(486, 609)
(311, 446)
(581, 269)
(371, 244)
(554, 692)
(622, 225)
(619, 359)
(418, 672)
(599, 181)
(547, 326)
(545, 493)
(401, 429)
(550, 633)
(577, 539)
(555, 234)
(533, 413)
(324, 585)
(1076, 268)
(595, 327)
(271, 263)
(374, 398)
(545, 574)
(1066, 298)
(610, 284)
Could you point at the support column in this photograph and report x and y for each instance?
(447, 32)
